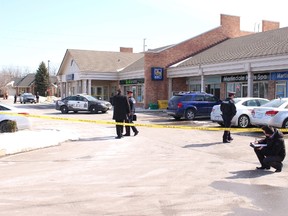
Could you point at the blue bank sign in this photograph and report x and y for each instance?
(157, 73)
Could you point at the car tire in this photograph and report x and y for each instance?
(190, 114)
(221, 124)
(243, 121)
(177, 118)
(285, 124)
(75, 111)
(64, 109)
(93, 109)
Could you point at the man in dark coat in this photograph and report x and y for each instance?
(274, 153)
(228, 109)
(120, 112)
(132, 103)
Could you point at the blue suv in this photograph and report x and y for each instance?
(188, 105)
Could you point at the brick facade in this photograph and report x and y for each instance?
(158, 90)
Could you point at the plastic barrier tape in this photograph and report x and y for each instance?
(139, 124)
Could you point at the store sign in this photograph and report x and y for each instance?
(131, 81)
(69, 77)
(279, 76)
(157, 73)
(244, 78)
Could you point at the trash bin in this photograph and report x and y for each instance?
(153, 106)
(162, 104)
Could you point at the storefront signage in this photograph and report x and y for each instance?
(157, 73)
(279, 76)
(244, 78)
(131, 81)
(69, 77)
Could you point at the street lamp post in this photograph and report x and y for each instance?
(48, 78)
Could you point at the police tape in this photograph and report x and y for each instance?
(139, 124)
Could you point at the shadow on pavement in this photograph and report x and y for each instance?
(200, 145)
(249, 174)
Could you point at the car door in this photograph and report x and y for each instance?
(82, 103)
(209, 102)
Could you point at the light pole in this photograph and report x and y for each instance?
(48, 78)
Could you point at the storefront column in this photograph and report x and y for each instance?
(89, 86)
(250, 80)
(169, 87)
(84, 86)
(202, 78)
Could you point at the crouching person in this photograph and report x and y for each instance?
(274, 153)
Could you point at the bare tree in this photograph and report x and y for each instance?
(8, 74)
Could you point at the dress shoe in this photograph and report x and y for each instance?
(262, 168)
(118, 137)
(226, 141)
(230, 138)
(126, 135)
(278, 170)
(135, 134)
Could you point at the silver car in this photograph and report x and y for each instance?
(244, 106)
(273, 113)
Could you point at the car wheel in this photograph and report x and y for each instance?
(177, 118)
(75, 111)
(104, 111)
(93, 109)
(221, 124)
(64, 109)
(190, 114)
(285, 124)
(243, 121)
(6, 127)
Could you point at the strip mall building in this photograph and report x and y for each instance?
(217, 61)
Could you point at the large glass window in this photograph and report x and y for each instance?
(260, 89)
(280, 89)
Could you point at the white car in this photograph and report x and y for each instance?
(244, 106)
(274, 113)
(14, 114)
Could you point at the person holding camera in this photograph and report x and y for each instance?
(274, 153)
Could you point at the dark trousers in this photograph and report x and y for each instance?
(268, 161)
(227, 124)
(127, 128)
(119, 128)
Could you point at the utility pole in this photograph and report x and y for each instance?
(144, 45)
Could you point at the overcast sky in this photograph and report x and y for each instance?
(40, 30)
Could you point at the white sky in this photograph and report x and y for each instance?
(40, 30)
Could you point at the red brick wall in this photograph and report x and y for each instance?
(158, 90)
(272, 90)
(179, 84)
(126, 49)
(269, 25)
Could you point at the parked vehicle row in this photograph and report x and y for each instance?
(251, 111)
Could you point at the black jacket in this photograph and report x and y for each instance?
(228, 108)
(121, 107)
(275, 145)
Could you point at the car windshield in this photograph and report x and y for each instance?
(275, 103)
(90, 98)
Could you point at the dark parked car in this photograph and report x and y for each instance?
(82, 102)
(188, 105)
(27, 98)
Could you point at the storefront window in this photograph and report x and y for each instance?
(137, 92)
(280, 89)
(260, 89)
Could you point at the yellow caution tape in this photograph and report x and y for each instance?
(139, 124)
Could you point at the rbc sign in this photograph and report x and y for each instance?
(157, 73)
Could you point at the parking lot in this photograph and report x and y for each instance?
(162, 171)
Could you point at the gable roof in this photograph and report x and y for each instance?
(26, 81)
(102, 61)
(262, 44)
